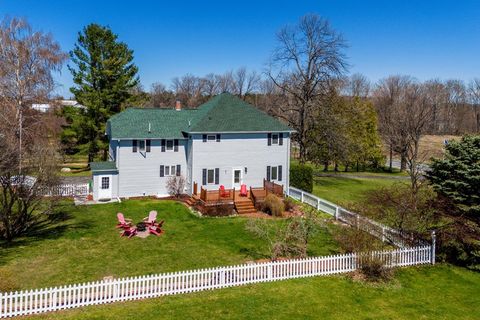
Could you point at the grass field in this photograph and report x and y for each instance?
(440, 292)
(87, 247)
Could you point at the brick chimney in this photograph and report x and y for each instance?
(178, 105)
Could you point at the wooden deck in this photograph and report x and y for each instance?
(243, 204)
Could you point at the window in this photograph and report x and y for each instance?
(211, 137)
(142, 145)
(169, 145)
(211, 176)
(274, 173)
(275, 138)
(105, 183)
(170, 171)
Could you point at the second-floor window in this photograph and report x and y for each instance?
(211, 137)
(275, 139)
(143, 145)
(169, 145)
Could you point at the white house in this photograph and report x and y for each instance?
(225, 142)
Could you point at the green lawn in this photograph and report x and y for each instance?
(87, 247)
(343, 190)
(440, 292)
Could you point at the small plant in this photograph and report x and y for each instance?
(289, 204)
(374, 269)
(273, 205)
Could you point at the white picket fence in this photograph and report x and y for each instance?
(107, 291)
(376, 229)
(69, 190)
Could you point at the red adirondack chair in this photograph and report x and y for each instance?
(151, 219)
(243, 190)
(128, 232)
(122, 221)
(156, 228)
(223, 192)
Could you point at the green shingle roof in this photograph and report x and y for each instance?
(103, 166)
(223, 113)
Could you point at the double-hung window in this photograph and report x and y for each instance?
(170, 170)
(274, 173)
(210, 176)
(142, 145)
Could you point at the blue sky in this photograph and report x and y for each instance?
(425, 39)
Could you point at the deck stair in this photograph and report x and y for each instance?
(244, 205)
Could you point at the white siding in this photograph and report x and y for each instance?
(96, 183)
(248, 150)
(139, 172)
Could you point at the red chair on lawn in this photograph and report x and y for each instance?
(151, 219)
(129, 232)
(223, 192)
(122, 221)
(243, 190)
(156, 228)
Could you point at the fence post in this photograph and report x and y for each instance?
(301, 197)
(337, 211)
(269, 272)
(318, 204)
(434, 240)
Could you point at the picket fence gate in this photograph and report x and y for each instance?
(376, 229)
(133, 288)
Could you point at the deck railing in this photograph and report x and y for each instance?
(217, 196)
(272, 187)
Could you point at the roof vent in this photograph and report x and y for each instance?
(149, 127)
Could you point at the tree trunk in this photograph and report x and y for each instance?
(403, 162)
(391, 159)
(325, 166)
(336, 167)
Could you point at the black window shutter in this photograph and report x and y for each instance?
(175, 145)
(148, 144)
(280, 139)
(204, 176)
(269, 139)
(217, 175)
(204, 138)
(279, 173)
(134, 145)
(163, 145)
(162, 171)
(268, 173)
(179, 168)
(218, 137)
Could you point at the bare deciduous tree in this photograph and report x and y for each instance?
(309, 55)
(176, 186)
(27, 157)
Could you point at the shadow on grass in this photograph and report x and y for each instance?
(253, 254)
(52, 226)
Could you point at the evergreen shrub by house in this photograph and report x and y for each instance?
(301, 177)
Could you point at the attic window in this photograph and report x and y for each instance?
(211, 137)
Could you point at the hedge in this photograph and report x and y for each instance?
(301, 177)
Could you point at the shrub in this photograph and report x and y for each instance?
(176, 186)
(301, 176)
(374, 269)
(273, 205)
(289, 204)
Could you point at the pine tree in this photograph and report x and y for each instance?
(456, 178)
(104, 77)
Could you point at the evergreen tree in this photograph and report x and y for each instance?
(456, 179)
(105, 79)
